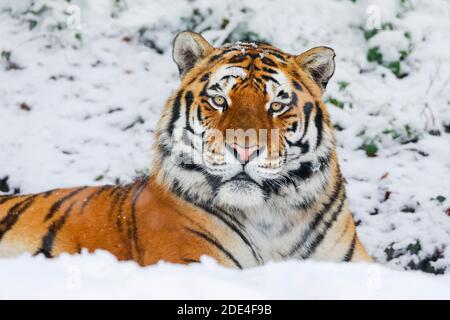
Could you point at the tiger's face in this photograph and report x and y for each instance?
(247, 123)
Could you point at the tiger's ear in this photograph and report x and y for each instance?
(319, 63)
(188, 48)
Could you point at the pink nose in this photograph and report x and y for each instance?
(244, 153)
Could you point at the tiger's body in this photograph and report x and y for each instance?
(241, 199)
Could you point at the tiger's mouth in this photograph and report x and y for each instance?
(241, 176)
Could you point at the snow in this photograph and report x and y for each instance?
(100, 275)
(94, 95)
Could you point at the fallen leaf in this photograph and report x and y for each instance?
(384, 176)
(25, 106)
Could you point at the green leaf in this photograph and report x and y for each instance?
(374, 55)
(395, 67)
(78, 36)
(225, 22)
(370, 33)
(335, 102)
(394, 133)
(343, 85)
(414, 248)
(412, 134)
(6, 55)
(387, 26)
(403, 54)
(361, 133)
(32, 24)
(370, 147)
(389, 251)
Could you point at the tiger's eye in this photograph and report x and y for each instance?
(276, 106)
(219, 101)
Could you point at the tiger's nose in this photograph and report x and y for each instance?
(243, 153)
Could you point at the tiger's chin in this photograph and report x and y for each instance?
(240, 194)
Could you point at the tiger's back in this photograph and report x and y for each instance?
(138, 221)
(61, 220)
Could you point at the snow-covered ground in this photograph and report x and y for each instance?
(79, 99)
(100, 275)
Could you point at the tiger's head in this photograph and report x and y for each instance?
(247, 126)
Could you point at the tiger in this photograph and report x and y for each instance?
(214, 188)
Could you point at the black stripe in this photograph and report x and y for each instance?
(234, 224)
(92, 196)
(122, 199)
(294, 100)
(283, 94)
(205, 77)
(349, 255)
(259, 80)
(189, 98)
(293, 127)
(198, 225)
(297, 85)
(229, 76)
(199, 114)
(319, 125)
(55, 207)
(304, 146)
(49, 239)
(217, 245)
(215, 57)
(305, 204)
(269, 78)
(132, 228)
(253, 56)
(331, 200)
(215, 87)
(303, 172)
(164, 149)
(48, 193)
(189, 260)
(6, 199)
(317, 219)
(115, 195)
(175, 112)
(319, 237)
(237, 58)
(276, 54)
(248, 67)
(307, 108)
(274, 185)
(14, 214)
(269, 70)
(269, 62)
